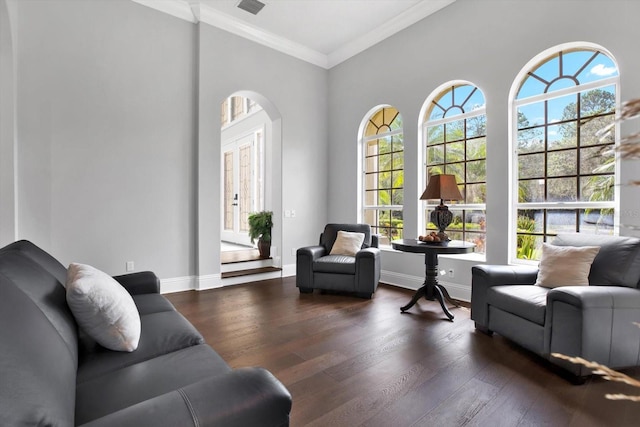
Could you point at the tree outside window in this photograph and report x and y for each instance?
(454, 132)
(565, 169)
(383, 174)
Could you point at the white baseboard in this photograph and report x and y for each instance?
(177, 284)
(288, 270)
(456, 290)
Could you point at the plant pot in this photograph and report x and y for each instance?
(264, 247)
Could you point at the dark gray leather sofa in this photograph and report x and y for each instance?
(595, 322)
(317, 269)
(51, 374)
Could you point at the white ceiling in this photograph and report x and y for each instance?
(323, 32)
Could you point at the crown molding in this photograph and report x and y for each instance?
(194, 12)
(177, 8)
(405, 19)
(240, 28)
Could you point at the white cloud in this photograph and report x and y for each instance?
(602, 70)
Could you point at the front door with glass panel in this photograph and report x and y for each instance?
(243, 185)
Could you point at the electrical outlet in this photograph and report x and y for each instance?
(129, 266)
(451, 273)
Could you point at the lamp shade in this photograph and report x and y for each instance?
(443, 187)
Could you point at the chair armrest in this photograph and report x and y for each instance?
(243, 397)
(593, 322)
(485, 276)
(144, 282)
(304, 264)
(367, 270)
(375, 241)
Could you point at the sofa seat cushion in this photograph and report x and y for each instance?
(152, 303)
(526, 301)
(341, 264)
(141, 381)
(161, 333)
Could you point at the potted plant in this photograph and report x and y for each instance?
(260, 224)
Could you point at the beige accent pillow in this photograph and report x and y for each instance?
(103, 308)
(347, 243)
(565, 265)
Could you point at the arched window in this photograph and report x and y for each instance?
(564, 170)
(383, 173)
(454, 133)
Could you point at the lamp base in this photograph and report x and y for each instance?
(441, 216)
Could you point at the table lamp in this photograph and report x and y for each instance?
(442, 187)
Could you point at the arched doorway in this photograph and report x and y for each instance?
(250, 178)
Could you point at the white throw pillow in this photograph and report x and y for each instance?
(565, 265)
(347, 243)
(103, 308)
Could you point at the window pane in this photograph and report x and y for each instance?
(528, 242)
(435, 154)
(562, 163)
(476, 148)
(589, 131)
(530, 140)
(594, 160)
(561, 136)
(531, 166)
(384, 145)
(596, 221)
(477, 126)
(561, 221)
(475, 193)
(476, 171)
(563, 108)
(597, 188)
(435, 134)
(531, 191)
(530, 115)
(530, 220)
(456, 169)
(597, 101)
(454, 152)
(384, 162)
(397, 143)
(454, 130)
(562, 190)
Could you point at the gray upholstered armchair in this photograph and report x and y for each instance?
(594, 321)
(317, 268)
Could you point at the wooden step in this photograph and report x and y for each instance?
(247, 272)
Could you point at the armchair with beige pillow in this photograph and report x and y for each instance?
(347, 258)
(582, 300)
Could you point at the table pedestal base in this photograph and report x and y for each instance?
(431, 289)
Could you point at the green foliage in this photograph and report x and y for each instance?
(526, 243)
(260, 224)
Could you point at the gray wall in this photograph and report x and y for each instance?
(105, 113)
(485, 42)
(118, 134)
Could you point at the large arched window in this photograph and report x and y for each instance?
(383, 173)
(564, 170)
(454, 133)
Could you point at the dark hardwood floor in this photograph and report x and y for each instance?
(350, 362)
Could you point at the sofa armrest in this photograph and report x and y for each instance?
(243, 397)
(144, 282)
(367, 270)
(485, 276)
(593, 322)
(304, 264)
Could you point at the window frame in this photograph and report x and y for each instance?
(425, 206)
(514, 179)
(362, 156)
